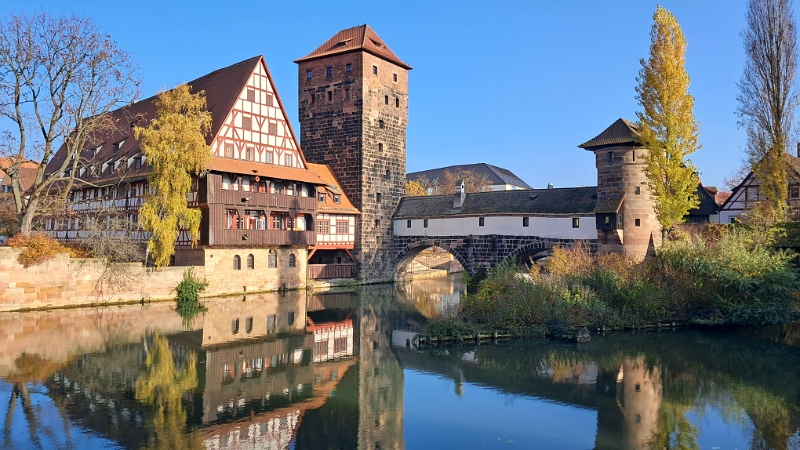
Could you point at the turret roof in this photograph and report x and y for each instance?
(620, 132)
(362, 37)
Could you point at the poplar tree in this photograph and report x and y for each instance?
(174, 143)
(767, 98)
(667, 125)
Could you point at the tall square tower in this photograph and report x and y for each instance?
(353, 102)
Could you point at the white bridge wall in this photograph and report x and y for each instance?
(546, 227)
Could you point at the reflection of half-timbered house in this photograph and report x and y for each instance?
(745, 196)
(258, 197)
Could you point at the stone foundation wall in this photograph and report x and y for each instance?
(67, 282)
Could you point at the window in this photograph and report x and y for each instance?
(394, 77)
(330, 96)
(319, 226)
(269, 100)
(348, 68)
(251, 262)
(271, 323)
(247, 123)
(118, 145)
(610, 157)
(273, 128)
(396, 102)
(290, 318)
(249, 154)
(268, 156)
(637, 222)
(322, 197)
(237, 263)
(326, 226)
(248, 325)
(633, 155)
(576, 222)
(235, 326)
(329, 71)
(272, 259)
(347, 94)
(378, 197)
(481, 221)
(311, 98)
(251, 95)
(374, 70)
(794, 192)
(288, 160)
(425, 223)
(342, 226)
(637, 190)
(386, 99)
(378, 240)
(408, 223)
(380, 147)
(380, 123)
(607, 221)
(292, 260)
(309, 74)
(229, 150)
(337, 198)
(388, 173)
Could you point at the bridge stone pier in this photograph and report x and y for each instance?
(476, 252)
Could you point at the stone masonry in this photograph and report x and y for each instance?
(355, 122)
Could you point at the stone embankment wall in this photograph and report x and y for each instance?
(68, 282)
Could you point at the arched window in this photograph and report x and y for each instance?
(251, 262)
(272, 260)
(292, 260)
(237, 263)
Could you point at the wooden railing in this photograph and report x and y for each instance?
(264, 237)
(264, 200)
(327, 271)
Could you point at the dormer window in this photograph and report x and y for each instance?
(337, 198)
(321, 198)
(118, 145)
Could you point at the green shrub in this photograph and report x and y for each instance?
(188, 296)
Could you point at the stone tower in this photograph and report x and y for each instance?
(626, 221)
(353, 101)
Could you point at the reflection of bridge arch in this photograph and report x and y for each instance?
(476, 252)
(407, 254)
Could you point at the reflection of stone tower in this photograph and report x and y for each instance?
(353, 100)
(626, 221)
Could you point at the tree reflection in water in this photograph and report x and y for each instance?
(162, 386)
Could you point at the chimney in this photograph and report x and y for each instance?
(460, 195)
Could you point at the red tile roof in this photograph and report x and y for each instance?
(264, 170)
(27, 172)
(362, 37)
(344, 205)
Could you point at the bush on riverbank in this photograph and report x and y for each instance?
(715, 275)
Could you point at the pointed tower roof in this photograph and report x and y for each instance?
(362, 37)
(620, 132)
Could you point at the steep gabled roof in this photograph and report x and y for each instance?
(561, 201)
(495, 175)
(621, 132)
(362, 37)
(324, 173)
(27, 172)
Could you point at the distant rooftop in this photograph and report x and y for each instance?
(495, 175)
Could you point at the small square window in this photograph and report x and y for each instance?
(611, 157)
(321, 198)
(637, 190)
(481, 221)
(269, 99)
(329, 71)
(576, 222)
(408, 224)
(525, 221)
(637, 222)
(247, 123)
(375, 70)
(378, 197)
(310, 74)
(251, 95)
(425, 223)
(337, 198)
(394, 77)
(794, 192)
(273, 128)
(288, 160)
(348, 68)
(608, 220)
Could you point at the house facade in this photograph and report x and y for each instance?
(748, 193)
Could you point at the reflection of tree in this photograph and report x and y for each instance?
(162, 386)
(674, 429)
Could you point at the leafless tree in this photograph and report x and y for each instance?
(767, 95)
(59, 78)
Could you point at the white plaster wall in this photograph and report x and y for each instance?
(726, 215)
(548, 227)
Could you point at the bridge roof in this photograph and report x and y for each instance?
(575, 200)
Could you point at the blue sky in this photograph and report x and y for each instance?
(518, 84)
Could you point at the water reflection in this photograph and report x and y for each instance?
(336, 370)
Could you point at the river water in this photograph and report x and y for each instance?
(337, 371)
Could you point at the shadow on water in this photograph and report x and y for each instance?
(308, 371)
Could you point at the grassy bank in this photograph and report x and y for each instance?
(712, 275)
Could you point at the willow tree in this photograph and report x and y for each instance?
(667, 125)
(174, 143)
(767, 98)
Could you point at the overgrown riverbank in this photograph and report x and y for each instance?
(714, 275)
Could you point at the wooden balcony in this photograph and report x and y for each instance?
(328, 271)
(264, 237)
(263, 200)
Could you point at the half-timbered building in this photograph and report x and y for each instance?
(748, 193)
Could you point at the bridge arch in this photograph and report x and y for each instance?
(534, 250)
(406, 255)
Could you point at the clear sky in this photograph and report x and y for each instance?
(518, 84)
